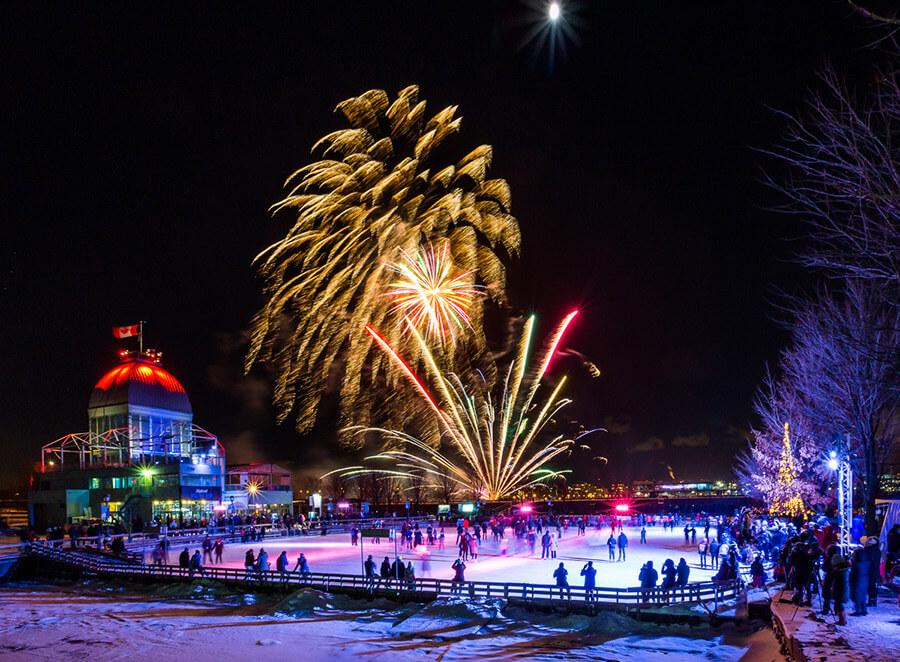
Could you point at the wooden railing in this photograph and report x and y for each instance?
(421, 589)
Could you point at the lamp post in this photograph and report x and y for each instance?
(839, 461)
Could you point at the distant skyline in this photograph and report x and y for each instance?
(142, 152)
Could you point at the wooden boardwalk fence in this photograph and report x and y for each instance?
(423, 589)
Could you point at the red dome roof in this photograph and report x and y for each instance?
(139, 382)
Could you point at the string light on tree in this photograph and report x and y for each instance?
(786, 500)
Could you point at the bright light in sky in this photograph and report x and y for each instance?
(553, 11)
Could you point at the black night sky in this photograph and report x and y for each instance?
(142, 149)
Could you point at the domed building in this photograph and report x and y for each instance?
(140, 396)
(142, 458)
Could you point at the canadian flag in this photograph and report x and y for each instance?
(125, 331)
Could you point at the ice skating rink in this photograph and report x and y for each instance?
(334, 553)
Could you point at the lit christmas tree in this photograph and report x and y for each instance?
(786, 500)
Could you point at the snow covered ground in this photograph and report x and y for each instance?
(333, 553)
(874, 637)
(101, 621)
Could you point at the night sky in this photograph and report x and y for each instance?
(142, 149)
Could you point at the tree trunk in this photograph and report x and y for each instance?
(871, 489)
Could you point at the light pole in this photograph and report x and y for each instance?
(839, 461)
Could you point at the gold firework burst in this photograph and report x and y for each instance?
(375, 193)
(496, 439)
(431, 295)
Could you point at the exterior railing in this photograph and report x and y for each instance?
(420, 589)
(174, 536)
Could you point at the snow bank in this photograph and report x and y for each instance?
(303, 602)
(456, 616)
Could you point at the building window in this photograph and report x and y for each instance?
(95, 483)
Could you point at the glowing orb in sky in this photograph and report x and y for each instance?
(553, 11)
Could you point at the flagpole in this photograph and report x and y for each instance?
(141, 336)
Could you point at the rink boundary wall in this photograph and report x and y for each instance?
(419, 590)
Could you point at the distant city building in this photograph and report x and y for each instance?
(577, 491)
(889, 482)
(260, 487)
(651, 489)
(142, 456)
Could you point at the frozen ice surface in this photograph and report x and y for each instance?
(333, 553)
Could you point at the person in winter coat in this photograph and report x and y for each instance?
(561, 575)
(611, 543)
(802, 569)
(669, 574)
(386, 568)
(218, 548)
(683, 572)
(701, 549)
(410, 574)
(589, 572)
(207, 550)
(196, 564)
(840, 586)
(545, 545)
(262, 563)
(554, 545)
(459, 575)
(184, 560)
(758, 573)
(726, 572)
(369, 567)
(859, 581)
(873, 550)
(622, 543)
(714, 553)
(249, 564)
(398, 570)
(302, 565)
(648, 577)
(281, 565)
